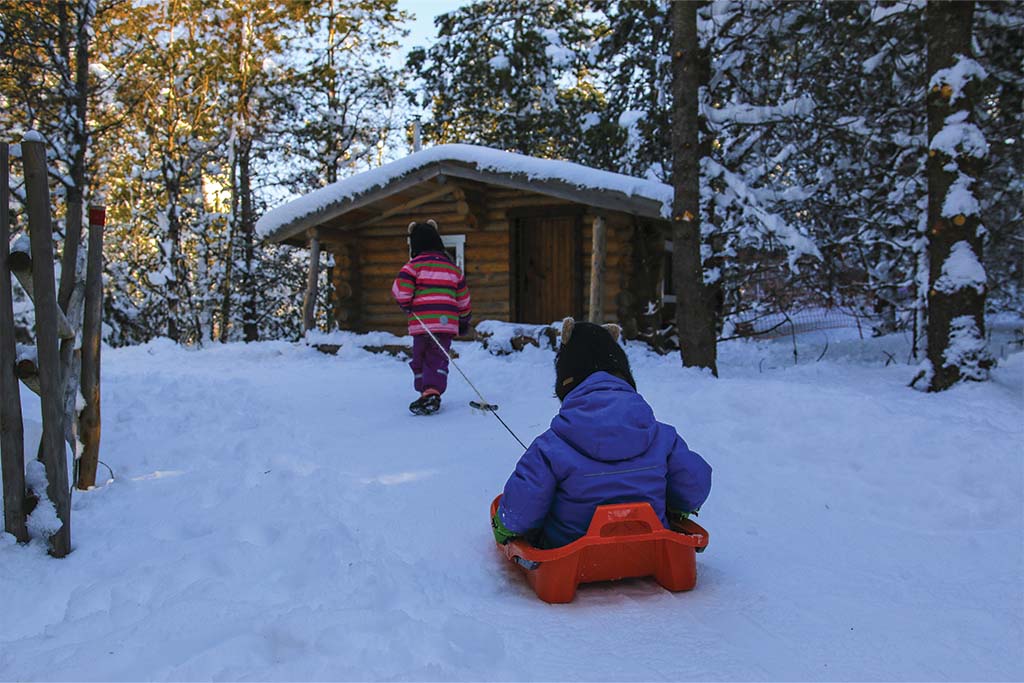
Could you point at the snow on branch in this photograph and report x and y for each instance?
(961, 270)
(958, 136)
(960, 201)
(745, 197)
(958, 76)
(966, 349)
(881, 13)
(748, 114)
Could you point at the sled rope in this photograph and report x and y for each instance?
(489, 407)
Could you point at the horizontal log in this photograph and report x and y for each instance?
(473, 267)
(480, 294)
(513, 202)
(481, 253)
(20, 263)
(476, 268)
(373, 246)
(487, 239)
(27, 371)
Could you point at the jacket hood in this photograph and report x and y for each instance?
(606, 419)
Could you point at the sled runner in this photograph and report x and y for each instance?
(625, 540)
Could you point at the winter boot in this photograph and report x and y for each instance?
(428, 404)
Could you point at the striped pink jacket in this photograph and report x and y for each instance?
(434, 288)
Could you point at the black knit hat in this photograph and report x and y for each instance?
(424, 237)
(588, 348)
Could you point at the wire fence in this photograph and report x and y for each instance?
(797, 321)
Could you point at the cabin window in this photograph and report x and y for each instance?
(668, 287)
(455, 245)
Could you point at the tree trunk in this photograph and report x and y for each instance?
(229, 255)
(956, 304)
(12, 433)
(695, 320)
(172, 248)
(250, 327)
(76, 113)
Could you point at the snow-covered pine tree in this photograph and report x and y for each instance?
(630, 133)
(512, 75)
(344, 99)
(157, 170)
(957, 280)
(345, 91)
(998, 31)
(255, 42)
(878, 166)
(44, 70)
(755, 190)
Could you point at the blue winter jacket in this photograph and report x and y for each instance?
(604, 446)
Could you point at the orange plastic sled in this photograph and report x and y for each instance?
(624, 541)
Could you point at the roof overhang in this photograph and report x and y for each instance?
(558, 179)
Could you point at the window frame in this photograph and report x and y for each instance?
(459, 243)
(667, 298)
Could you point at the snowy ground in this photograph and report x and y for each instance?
(278, 515)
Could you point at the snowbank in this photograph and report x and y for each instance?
(278, 515)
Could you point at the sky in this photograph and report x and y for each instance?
(421, 29)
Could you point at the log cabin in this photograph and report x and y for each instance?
(538, 239)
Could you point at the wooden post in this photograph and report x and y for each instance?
(51, 450)
(12, 433)
(91, 338)
(599, 244)
(309, 305)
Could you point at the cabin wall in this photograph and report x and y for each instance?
(367, 261)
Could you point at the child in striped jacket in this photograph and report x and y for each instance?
(433, 288)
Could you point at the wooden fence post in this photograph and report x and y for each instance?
(91, 339)
(312, 279)
(52, 449)
(12, 433)
(599, 243)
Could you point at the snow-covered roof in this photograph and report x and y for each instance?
(562, 179)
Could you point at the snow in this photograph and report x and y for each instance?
(966, 348)
(33, 136)
(797, 244)
(276, 514)
(752, 114)
(631, 117)
(959, 136)
(555, 51)
(499, 335)
(961, 270)
(499, 62)
(958, 76)
(157, 278)
(21, 243)
(484, 159)
(43, 522)
(881, 12)
(959, 198)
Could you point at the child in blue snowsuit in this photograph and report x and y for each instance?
(603, 447)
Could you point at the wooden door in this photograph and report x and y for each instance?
(547, 268)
